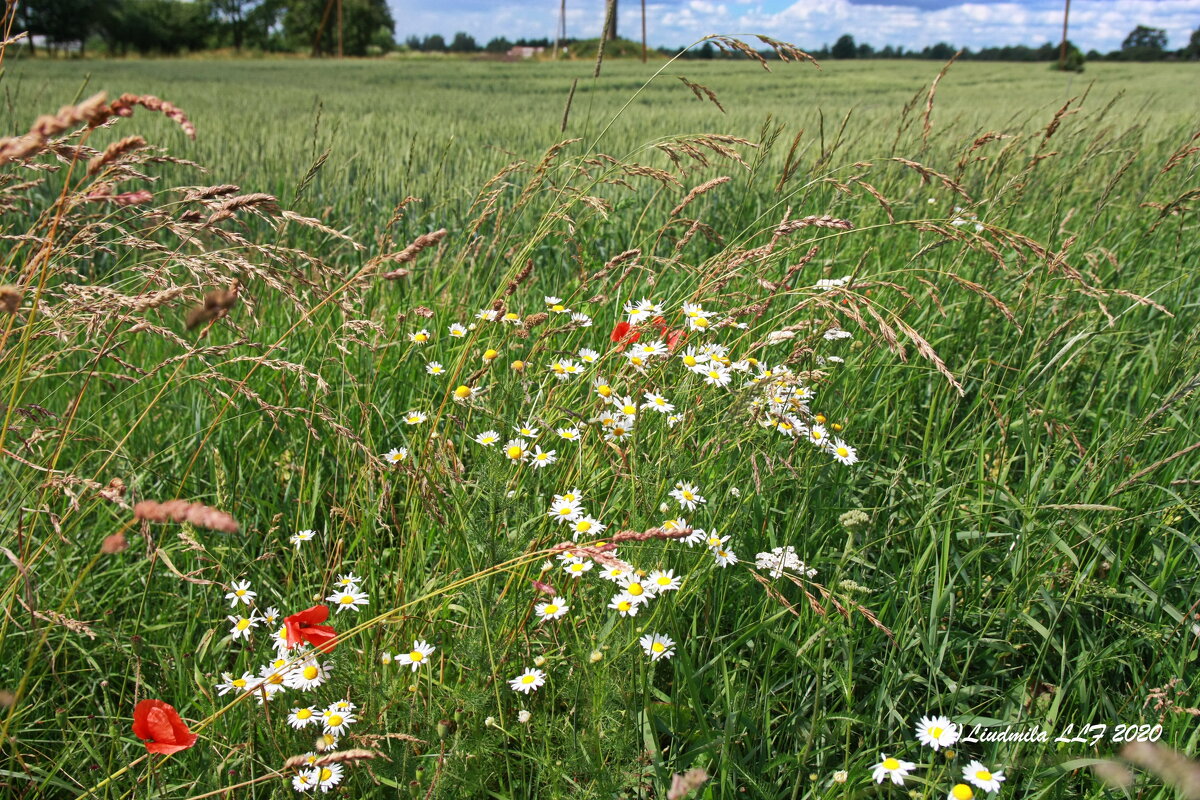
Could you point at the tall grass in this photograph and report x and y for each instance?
(1020, 547)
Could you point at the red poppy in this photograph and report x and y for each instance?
(673, 338)
(303, 627)
(159, 722)
(621, 333)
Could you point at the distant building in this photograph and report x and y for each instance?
(525, 52)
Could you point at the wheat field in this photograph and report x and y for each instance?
(803, 433)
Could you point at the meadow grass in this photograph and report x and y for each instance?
(1021, 546)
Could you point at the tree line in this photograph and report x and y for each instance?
(169, 27)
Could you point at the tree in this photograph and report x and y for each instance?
(844, 47)
(463, 43)
(156, 26)
(1193, 49)
(434, 44)
(61, 21)
(1144, 44)
(498, 45)
(366, 25)
(233, 16)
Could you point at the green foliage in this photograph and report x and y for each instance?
(844, 47)
(1031, 543)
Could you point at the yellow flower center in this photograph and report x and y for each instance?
(962, 792)
(936, 732)
(275, 679)
(335, 720)
(624, 605)
(514, 452)
(629, 409)
(511, 317)
(310, 672)
(816, 434)
(658, 647)
(462, 392)
(303, 713)
(326, 773)
(577, 568)
(240, 592)
(528, 679)
(558, 307)
(551, 609)
(417, 655)
(518, 366)
(604, 390)
(489, 354)
(699, 322)
(239, 683)
(346, 599)
(635, 589)
(583, 526)
(242, 624)
(983, 775)
(689, 361)
(420, 337)
(663, 580)
(891, 763)
(843, 452)
(637, 361)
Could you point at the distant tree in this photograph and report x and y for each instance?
(1075, 59)
(367, 25)
(866, 51)
(940, 51)
(1193, 49)
(61, 21)
(707, 51)
(844, 47)
(463, 43)
(413, 42)
(434, 44)
(1144, 44)
(1143, 36)
(498, 45)
(157, 26)
(231, 15)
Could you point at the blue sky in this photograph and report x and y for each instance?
(1100, 24)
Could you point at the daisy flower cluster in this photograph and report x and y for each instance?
(939, 733)
(300, 645)
(654, 365)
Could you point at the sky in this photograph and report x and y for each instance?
(1098, 24)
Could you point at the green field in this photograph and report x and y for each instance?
(1017, 545)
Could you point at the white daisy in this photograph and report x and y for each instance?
(892, 768)
(554, 608)
(240, 592)
(487, 438)
(528, 681)
(349, 598)
(420, 653)
(657, 646)
(981, 776)
(937, 732)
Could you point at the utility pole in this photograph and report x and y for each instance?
(560, 31)
(643, 31)
(1062, 50)
(610, 30)
(340, 54)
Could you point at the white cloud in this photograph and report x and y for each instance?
(1099, 24)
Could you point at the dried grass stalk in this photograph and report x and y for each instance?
(197, 514)
(697, 191)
